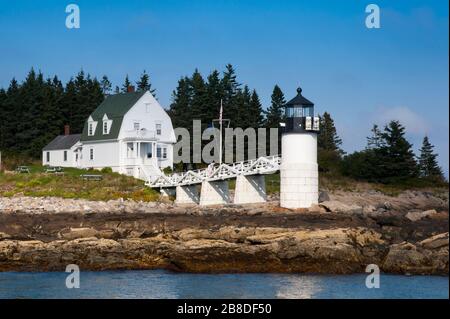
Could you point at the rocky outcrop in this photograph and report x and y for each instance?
(233, 249)
(332, 237)
(415, 216)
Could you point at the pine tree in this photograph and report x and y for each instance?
(428, 166)
(199, 98)
(126, 85)
(214, 94)
(105, 85)
(375, 141)
(256, 118)
(397, 161)
(328, 138)
(180, 109)
(144, 84)
(230, 88)
(275, 113)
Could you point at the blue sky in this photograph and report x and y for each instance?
(361, 76)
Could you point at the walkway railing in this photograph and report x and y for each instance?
(261, 165)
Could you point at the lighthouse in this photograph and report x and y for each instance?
(299, 174)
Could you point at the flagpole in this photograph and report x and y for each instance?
(220, 128)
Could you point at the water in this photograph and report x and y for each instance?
(163, 284)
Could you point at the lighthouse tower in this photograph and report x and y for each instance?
(299, 186)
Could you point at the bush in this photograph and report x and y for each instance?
(106, 170)
(167, 170)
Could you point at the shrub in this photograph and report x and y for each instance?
(107, 170)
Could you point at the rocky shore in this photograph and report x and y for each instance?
(406, 234)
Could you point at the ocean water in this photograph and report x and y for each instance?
(164, 284)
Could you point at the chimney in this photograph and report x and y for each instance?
(66, 129)
(130, 88)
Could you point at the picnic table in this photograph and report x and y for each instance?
(55, 170)
(23, 169)
(91, 177)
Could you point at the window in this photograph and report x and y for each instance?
(158, 129)
(136, 126)
(91, 154)
(149, 151)
(147, 107)
(91, 129)
(65, 156)
(164, 155)
(48, 156)
(158, 152)
(105, 127)
(130, 150)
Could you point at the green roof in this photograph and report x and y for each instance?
(115, 107)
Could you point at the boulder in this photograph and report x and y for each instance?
(323, 197)
(416, 216)
(339, 207)
(73, 233)
(434, 242)
(4, 236)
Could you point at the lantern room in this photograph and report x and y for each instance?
(299, 113)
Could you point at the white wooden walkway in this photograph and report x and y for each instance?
(262, 165)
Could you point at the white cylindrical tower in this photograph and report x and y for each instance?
(299, 186)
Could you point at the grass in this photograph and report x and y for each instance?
(71, 185)
(115, 186)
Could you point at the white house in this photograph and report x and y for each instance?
(129, 132)
(62, 151)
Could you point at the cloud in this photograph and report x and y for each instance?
(414, 123)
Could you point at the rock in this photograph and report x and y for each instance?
(415, 216)
(369, 209)
(4, 236)
(317, 209)
(323, 196)
(339, 207)
(437, 241)
(74, 233)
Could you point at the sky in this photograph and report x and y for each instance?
(361, 76)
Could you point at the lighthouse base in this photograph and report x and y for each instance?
(299, 185)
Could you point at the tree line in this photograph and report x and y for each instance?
(33, 112)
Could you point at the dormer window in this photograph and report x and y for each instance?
(91, 126)
(158, 129)
(106, 124)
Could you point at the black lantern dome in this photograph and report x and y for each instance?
(299, 113)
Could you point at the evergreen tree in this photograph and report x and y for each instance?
(275, 113)
(256, 118)
(10, 115)
(375, 141)
(126, 85)
(105, 85)
(396, 157)
(428, 166)
(329, 145)
(144, 84)
(328, 138)
(230, 88)
(199, 98)
(214, 94)
(180, 109)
